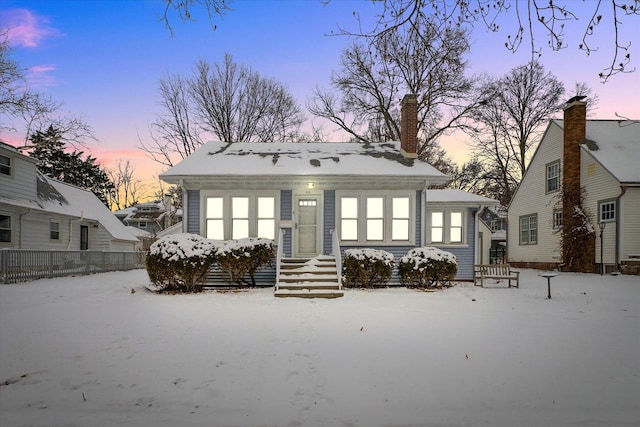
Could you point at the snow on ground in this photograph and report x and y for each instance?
(86, 351)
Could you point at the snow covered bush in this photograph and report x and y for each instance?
(427, 266)
(179, 263)
(366, 267)
(237, 258)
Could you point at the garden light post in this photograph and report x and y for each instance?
(602, 226)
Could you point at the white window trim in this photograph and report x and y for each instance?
(601, 204)
(227, 218)
(9, 166)
(547, 179)
(520, 230)
(387, 197)
(446, 226)
(59, 231)
(10, 229)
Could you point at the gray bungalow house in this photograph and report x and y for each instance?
(319, 198)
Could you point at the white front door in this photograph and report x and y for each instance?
(307, 226)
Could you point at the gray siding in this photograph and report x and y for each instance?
(329, 219)
(465, 255)
(22, 184)
(418, 219)
(286, 214)
(193, 213)
(286, 201)
(265, 276)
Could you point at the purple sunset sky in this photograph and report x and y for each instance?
(103, 59)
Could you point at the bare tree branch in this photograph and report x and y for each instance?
(551, 17)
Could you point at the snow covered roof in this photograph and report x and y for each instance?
(615, 144)
(458, 196)
(57, 197)
(83, 203)
(302, 159)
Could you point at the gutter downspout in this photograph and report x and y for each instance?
(476, 243)
(623, 189)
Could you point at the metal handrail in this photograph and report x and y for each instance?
(336, 252)
(279, 254)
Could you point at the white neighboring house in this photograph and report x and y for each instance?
(38, 212)
(605, 165)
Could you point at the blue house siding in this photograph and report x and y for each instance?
(329, 220)
(193, 211)
(418, 220)
(286, 214)
(465, 255)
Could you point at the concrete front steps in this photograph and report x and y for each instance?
(309, 278)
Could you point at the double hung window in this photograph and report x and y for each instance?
(446, 227)
(375, 218)
(238, 217)
(5, 229)
(5, 165)
(529, 229)
(54, 230)
(553, 177)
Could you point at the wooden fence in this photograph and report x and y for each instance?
(21, 265)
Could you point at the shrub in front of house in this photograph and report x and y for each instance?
(427, 267)
(366, 268)
(241, 258)
(179, 263)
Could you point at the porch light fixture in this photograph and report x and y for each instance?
(310, 185)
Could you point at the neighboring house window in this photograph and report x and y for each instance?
(446, 227)
(607, 211)
(557, 218)
(142, 224)
(529, 229)
(5, 165)
(5, 229)
(238, 217)
(215, 218)
(375, 218)
(553, 176)
(349, 218)
(54, 230)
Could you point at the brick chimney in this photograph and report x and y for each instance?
(575, 133)
(409, 126)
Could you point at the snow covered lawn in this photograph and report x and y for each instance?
(86, 351)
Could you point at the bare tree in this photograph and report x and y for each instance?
(425, 59)
(174, 132)
(227, 101)
(127, 188)
(36, 111)
(533, 20)
(511, 120)
(237, 104)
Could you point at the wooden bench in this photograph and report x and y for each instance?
(495, 272)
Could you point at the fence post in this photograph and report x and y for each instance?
(3, 265)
